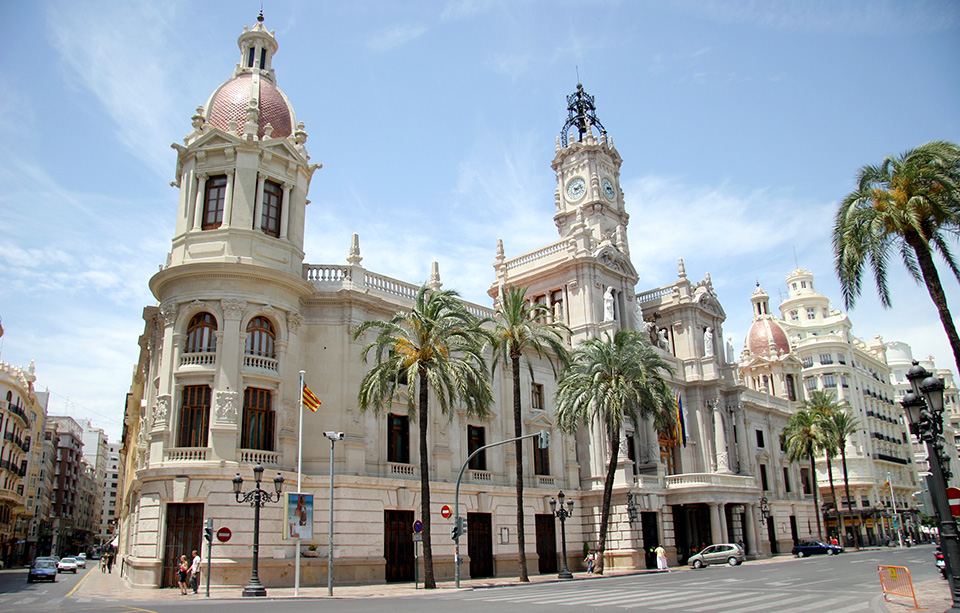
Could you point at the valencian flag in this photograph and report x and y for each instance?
(310, 399)
(681, 426)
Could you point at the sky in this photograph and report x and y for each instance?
(741, 126)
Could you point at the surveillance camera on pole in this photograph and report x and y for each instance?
(334, 436)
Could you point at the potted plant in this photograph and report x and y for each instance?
(311, 551)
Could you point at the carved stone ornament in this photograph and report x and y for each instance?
(294, 321)
(161, 411)
(288, 419)
(168, 310)
(226, 412)
(233, 308)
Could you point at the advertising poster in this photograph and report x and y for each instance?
(298, 517)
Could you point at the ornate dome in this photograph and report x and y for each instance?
(767, 338)
(232, 101)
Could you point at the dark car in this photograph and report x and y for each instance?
(42, 570)
(809, 548)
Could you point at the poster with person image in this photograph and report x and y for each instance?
(298, 516)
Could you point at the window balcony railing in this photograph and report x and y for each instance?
(185, 454)
(546, 481)
(198, 359)
(259, 456)
(481, 476)
(261, 363)
(405, 471)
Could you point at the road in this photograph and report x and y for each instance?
(840, 584)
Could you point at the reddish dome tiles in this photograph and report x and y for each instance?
(229, 103)
(760, 334)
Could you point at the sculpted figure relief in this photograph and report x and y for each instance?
(608, 305)
(708, 342)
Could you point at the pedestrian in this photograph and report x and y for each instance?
(195, 572)
(182, 570)
(103, 563)
(110, 562)
(590, 560)
(661, 558)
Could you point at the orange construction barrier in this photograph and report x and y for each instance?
(896, 580)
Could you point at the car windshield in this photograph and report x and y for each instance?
(44, 564)
(68, 561)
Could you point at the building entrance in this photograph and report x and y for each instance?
(480, 544)
(546, 543)
(184, 528)
(398, 545)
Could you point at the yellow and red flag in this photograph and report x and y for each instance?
(310, 399)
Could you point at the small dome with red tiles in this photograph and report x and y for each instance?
(233, 99)
(767, 338)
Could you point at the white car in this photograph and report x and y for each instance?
(81, 560)
(67, 565)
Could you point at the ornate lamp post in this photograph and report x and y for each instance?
(257, 498)
(926, 422)
(631, 508)
(764, 509)
(562, 513)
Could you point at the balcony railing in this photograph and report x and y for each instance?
(259, 456)
(198, 359)
(261, 363)
(406, 471)
(481, 476)
(185, 454)
(708, 480)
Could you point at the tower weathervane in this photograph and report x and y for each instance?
(581, 113)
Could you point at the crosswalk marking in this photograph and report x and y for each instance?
(780, 602)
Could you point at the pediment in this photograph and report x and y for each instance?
(614, 259)
(538, 420)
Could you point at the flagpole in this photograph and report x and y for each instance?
(296, 582)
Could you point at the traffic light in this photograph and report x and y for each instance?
(459, 527)
(463, 525)
(543, 439)
(208, 530)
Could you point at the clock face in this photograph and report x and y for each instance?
(576, 188)
(608, 189)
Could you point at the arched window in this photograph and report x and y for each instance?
(260, 338)
(201, 334)
(258, 419)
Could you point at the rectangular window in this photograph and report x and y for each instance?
(826, 358)
(795, 315)
(829, 381)
(807, 362)
(213, 202)
(258, 420)
(786, 479)
(791, 388)
(763, 478)
(194, 416)
(536, 396)
(841, 358)
(760, 439)
(541, 459)
(811, 313)
(398, 439)
(272, 199)
(811, 383)
(556, 303)
(843, 381)
(475, 440)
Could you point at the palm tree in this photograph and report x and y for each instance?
(910, 203)
(801, 439)
(823, 404)
(521, 325)
(840, 426)
(608, 381)
(437, 344)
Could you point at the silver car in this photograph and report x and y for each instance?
(723, 553)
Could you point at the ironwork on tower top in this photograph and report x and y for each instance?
(580, 110)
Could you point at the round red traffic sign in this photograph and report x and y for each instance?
(953, 497)
(224, 534)
(445, 511)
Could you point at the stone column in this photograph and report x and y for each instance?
(715, 530)
(285, 209)
(750, 531)
(198, 206)
(228, 198)
(722, 512)
(720, 441)
(258, 203)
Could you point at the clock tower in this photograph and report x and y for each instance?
(588, 198)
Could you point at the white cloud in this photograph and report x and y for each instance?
(396, 36)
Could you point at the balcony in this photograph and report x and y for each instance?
(185, 454)
(691, 487)
(256, 362)
(481, 476)
(198, 359)
(259, 456)
(403, 471)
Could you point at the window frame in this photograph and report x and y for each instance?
(271, 208)
(194, 428)
(261, 340)
(214, 200)
(259, 418)
(202, 326)
(398, 438)
(476, 438)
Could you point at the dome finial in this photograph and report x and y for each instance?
(260, 16)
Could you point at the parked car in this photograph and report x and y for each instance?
(81, 560)
(809, 548)
(722, 553)
(42, 570)
(67, 565)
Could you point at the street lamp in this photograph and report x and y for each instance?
(257, 498)
(925, 414)
(334, 437)
(631, 508)
(562, 513)
(764, 509)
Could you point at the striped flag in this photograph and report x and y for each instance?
(681, 426)
(310, 399)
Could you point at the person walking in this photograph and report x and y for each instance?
(195, 572)
(661, 558)
(182, 570)
(590, 561)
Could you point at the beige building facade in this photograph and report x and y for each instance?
(239, 314)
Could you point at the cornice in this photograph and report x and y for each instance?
(231, 272)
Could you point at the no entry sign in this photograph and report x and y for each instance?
(224, 534)
(953, 496)
(445, 511)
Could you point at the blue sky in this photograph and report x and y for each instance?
(741, 125)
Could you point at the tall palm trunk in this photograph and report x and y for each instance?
(607, 497)
(518, 432)
(833, 492)
(846, 484)
(815, 488)
(932, 280)
(429, 582)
